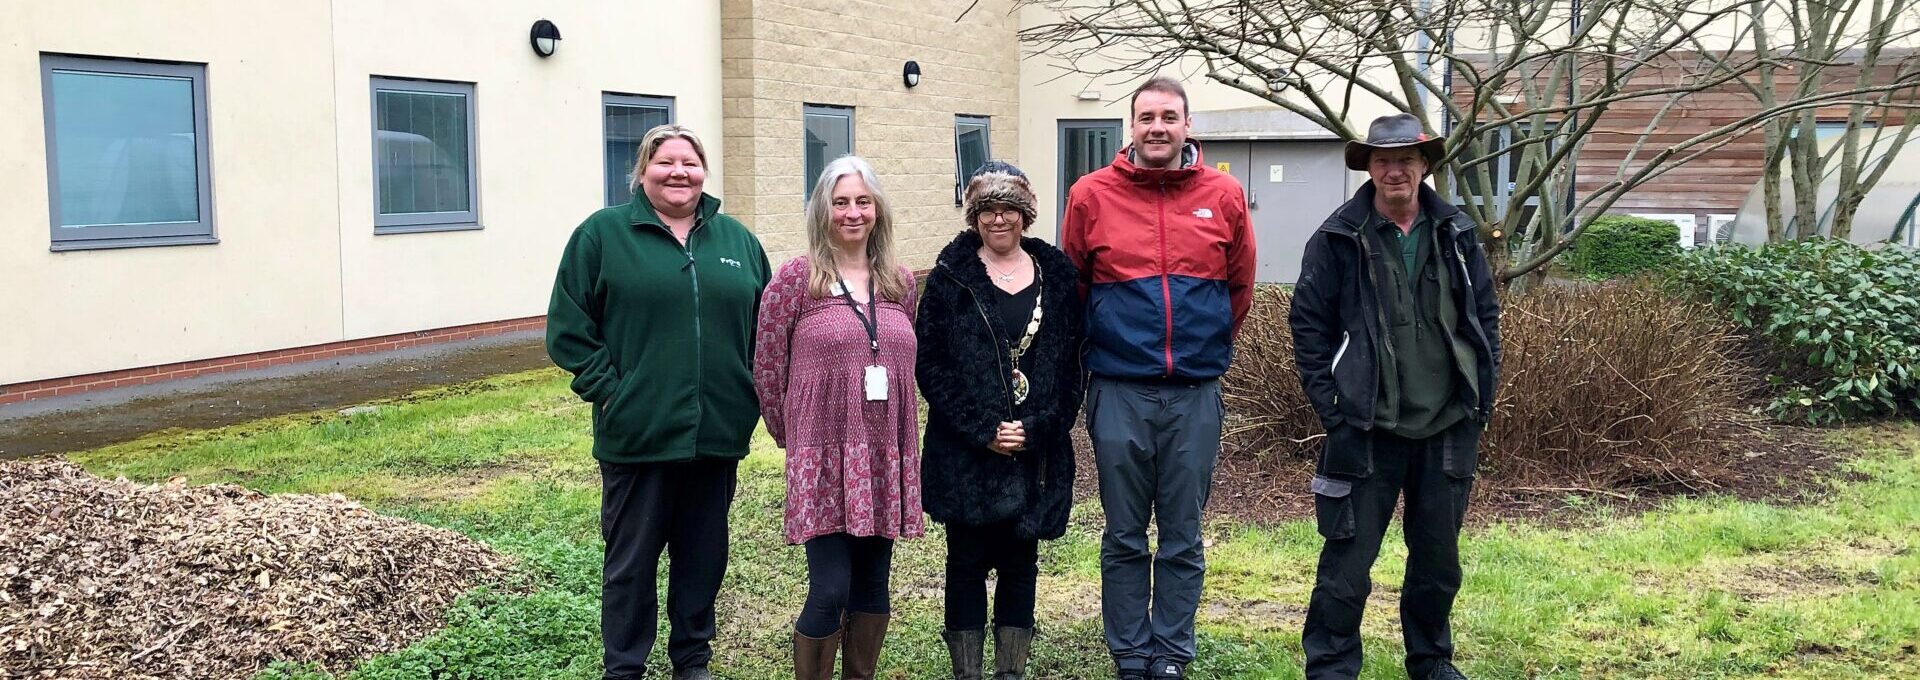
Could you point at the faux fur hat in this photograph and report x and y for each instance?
(1002, 183)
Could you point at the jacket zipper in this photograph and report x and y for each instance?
(1466, 281)
(693, 275)
(1166, 287)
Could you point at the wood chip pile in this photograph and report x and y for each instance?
(112, 579)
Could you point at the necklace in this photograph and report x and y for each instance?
(1021, 386)
(1006, 276)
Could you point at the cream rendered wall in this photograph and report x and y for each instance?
(291, 147)
(537, 140)
(273, 280)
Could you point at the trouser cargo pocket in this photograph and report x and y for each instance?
(1333, 507)
(1460, 449)
(1347, 452)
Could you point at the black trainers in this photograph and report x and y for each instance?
(1130, 674)
(694, 673)
(1446, 671)
(1167, 670)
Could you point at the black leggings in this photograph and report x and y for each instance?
(845, 573)
(974, 550)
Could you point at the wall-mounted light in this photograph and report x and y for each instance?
(545, 38)
(912, 74)
(1088, 95)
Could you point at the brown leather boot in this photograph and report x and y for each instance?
(813, 657)
(860, 654)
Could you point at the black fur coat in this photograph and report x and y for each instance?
(963, 375)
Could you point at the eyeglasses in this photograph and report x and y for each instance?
(1001, 215)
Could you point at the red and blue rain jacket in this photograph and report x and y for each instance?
(1166, 260)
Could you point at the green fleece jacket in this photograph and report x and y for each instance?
(659, 337)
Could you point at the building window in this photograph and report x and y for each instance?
(1824, 130)
(127, 161)
(829, 136)
(1085, 146)
(971, 148)
(423, 156)
(624, 119)
(1504, 173)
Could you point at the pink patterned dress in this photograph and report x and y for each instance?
(853, 465)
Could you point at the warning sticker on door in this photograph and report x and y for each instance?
(1223, 167)
(1276, 173)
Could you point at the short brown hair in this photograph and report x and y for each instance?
(1163, 85)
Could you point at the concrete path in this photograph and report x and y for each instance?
(91, 420)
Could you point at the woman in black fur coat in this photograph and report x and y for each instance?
(1000, 328)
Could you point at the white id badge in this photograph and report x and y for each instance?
(876, 383)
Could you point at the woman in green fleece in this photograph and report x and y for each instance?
(653, 312)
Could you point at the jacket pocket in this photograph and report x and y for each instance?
(1333, 508)
(624, 425)
(1346, 340)
(1347, 453)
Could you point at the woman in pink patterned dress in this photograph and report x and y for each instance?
(833, 365)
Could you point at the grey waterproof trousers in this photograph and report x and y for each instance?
(1155, 444)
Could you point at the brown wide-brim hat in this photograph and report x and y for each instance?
(1392, 132)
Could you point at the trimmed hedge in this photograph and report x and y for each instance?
(1839, 323)
(1618, 246)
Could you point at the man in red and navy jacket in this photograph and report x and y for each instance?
(1166, 261)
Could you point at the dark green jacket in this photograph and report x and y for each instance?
(659, 337)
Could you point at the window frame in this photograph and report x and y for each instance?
(831, 110)
(1502, 170)
(610, 99)
(1062, 127)
(985, 124)
(198, 232)
(414, 223)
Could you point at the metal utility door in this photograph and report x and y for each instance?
(1292, 186)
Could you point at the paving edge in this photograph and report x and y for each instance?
(148, 375)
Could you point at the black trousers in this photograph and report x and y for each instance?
(972, 551)
(645, 508)
(845, 573)
(1353, 518)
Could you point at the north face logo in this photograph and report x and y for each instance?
(1203, 213)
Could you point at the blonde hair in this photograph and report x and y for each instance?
(881, 266)
(650, 144)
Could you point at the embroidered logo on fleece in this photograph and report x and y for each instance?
(731, 261)
(1203, 213)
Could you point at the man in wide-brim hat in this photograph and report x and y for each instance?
(1394, 132)
(1396, 334)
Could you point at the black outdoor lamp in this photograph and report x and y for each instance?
(912, 74)
(545, 38)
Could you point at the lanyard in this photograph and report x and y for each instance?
(869, 321)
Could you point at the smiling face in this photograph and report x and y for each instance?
(1397, 173)
(1000, 227)
(674, 177)
(851, 214)
(1160, 128)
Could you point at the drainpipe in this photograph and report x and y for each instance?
(1573, 117)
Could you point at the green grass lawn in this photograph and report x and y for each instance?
(1707, 588)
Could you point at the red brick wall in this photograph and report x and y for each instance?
(55, 387)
